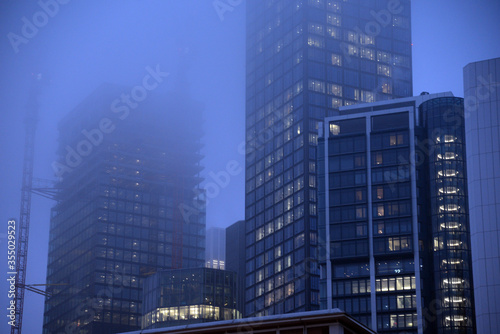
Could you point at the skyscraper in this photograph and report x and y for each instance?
(235, 253)
(393, 215)
(482, 108)
(129, 205)
(305, 59)
(215, 252)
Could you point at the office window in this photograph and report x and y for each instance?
(336, 59)
(334, 89)
(333, 19)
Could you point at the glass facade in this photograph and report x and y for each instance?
(444, 120)
(305, 59)
(188, 296)
(482, 126)
(215, 251)
(128, 208)
(394, 218)
(235, 234)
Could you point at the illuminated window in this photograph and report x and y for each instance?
(448, 173)
(334, 129)
(278, 266)
(438, 243)
(315, 41)
(317, 86)
(380, 193)
(352, 37)
(333, 20)
(352, 50)
(380, 228)
(454, 281)
(448, 190)
(449, 207)
(384, 70)
(452, 262)
(278, 251)
(367, 40)
(259, 234)
(333, 6)
(449, 138)
(453, 243)
(450, 225)
(336, 60)
(335, 103)
(386, 88)
(383, 57)
(334, 89)
(394, 244)
(367, 96)
(454, 301)
(333, 32)
(447, 155)
(378, 160)
(380, 210)
(360, 213)
(455, 320)
(316, 28)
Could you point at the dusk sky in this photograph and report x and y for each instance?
(87, 43)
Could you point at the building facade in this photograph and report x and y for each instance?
(393, 215)
(316, 322)
(188, 296)
(235, 251)
(305, 59)
(215, 251)
(129, 205)
(482, 128)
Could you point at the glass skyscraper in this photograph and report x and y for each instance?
(128, 206)
(482, 109)
(305, 59)
(393, 215)
(215, 251)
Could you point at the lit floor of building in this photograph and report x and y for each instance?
(332, 321)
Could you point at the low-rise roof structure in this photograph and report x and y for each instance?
(333, 321)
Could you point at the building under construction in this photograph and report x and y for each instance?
(130, 204)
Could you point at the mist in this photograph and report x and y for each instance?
(80, 45)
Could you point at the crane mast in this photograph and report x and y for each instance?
(30, 123)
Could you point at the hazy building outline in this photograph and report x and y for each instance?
(121, 213)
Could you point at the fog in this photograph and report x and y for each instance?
(80, 45)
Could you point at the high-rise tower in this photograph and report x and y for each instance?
(393, 224)
(305, 59)
(129, 205)
(482, 108)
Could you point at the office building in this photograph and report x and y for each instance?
(482, 128)
(305, 59)
(188, 296)
(129, 204)
(316, 322)
(394, 223)
(215, 251)
(235, 252)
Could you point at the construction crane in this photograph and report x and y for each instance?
(22, 228)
